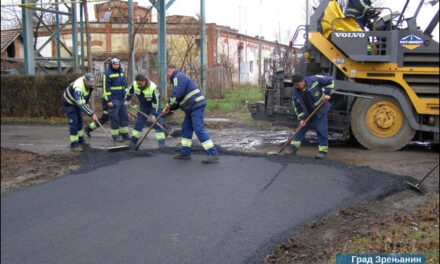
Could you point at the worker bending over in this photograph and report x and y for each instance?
(149, 100)
(308, 93)
(76, 99)
(187, 97)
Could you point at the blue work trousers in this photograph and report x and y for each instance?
(75, 120)
(321, 128)
(193, 122)
(118, 118)
(140, 122)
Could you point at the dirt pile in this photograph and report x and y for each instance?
(21, 168)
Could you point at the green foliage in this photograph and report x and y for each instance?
(235, 100)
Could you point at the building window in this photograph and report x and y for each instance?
(251, 66)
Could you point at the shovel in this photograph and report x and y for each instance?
(115, 148)
(148, 131)
(417, 186)
(170, 132)
(296, 132)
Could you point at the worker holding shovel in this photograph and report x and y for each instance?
(76, 98)
(311, 92)
(149, 99)
(188, 97)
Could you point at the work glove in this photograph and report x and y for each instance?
(153, 118)
(126, 103)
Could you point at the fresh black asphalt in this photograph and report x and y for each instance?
(145, 207)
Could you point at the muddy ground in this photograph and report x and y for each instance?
(320, 241)
(20, 168)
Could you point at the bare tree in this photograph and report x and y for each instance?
(183, 50)
(11, 18)
(137, 25)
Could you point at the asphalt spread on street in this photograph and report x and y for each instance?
(145, 207)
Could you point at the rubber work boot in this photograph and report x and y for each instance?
(87, 130)
(84, 144)
(77, 149)
(210, 159)
(125, 137)
(321, 155)
(291, 150)
(132, 145)
(182, 157)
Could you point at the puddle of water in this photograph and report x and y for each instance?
(252, 139)
(215, 119)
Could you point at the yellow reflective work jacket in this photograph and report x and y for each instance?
(148, 96)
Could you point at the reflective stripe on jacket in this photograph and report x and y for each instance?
(78, 94)
(185, 93)
(113, 84)
(316, 87)
(355, 8)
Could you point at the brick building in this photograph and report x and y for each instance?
(226, 48)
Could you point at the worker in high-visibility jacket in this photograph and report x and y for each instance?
(76, 99)
(190, 100)
(361, 11)
(308, 94)
(149, 100)
(114, 85)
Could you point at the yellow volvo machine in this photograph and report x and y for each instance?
(386, 79)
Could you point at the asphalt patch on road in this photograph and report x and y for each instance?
(143, 205)
(94, 158)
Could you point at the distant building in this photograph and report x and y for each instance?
(237, 54)
(12, 52)
(116, 11)
(12, 45)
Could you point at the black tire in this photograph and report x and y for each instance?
(393, 139)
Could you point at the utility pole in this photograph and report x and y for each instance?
(307, 12)
(259, 47)
(29, 53)
(203, 48)
(162, 48)
(75, 38)
(57, 19)
(89, 47)
(131, 40)
(81, 30)
(89, 39)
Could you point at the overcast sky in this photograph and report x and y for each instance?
(273, 19)
(251, 16)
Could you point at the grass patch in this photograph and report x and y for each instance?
(236, 100)
(414, 232)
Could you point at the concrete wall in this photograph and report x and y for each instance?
(234, 50)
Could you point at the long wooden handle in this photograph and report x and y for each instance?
(106, 133)
(299, 129)
(148, 131)
(149, 118)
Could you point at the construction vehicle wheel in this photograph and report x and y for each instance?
(380, 124)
